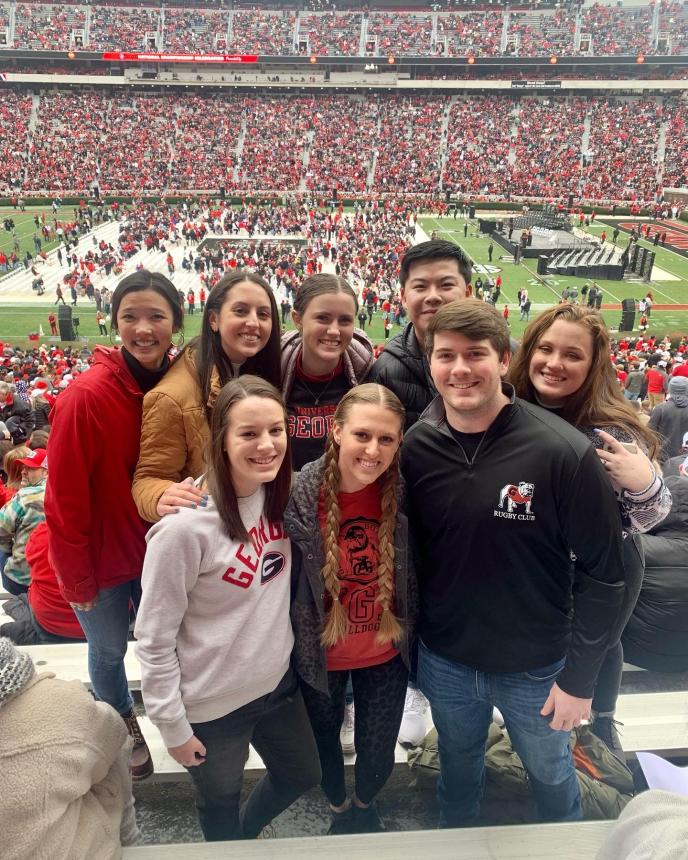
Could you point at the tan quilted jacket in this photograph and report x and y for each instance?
(174, 434)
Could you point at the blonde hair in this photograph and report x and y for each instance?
(12, 468)
(335, 627)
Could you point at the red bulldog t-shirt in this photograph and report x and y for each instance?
(358, 560)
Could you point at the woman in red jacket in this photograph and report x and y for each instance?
(95, 533)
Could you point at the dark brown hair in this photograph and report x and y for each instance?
(219, 468)
(208, 346)
(473, 319)
(599, 401)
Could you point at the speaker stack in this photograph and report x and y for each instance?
(627, 315)
(64, 321)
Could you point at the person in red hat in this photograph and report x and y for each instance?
(19, 518)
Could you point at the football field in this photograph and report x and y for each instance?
(670, 288)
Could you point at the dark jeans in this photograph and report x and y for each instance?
(379, 696)
(12, 587)
(277, 725)
(462, 699)
(25, 629)
(106, 628)
(609, 676)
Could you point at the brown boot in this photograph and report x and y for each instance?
(141, 763)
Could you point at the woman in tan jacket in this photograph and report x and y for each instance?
(240, 333)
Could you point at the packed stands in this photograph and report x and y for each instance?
(676, 146)
(401, 34)
(482, 144)
(623, 143)
(618, 30)
(604, 30)
(262, 32)
(207, 134)
(68, 140)
(346, 130)
(117, 28)
(673, 24)
(47, 28)
(194, 30)
(409, 144)
(471, 33)
(535, 33)
(478, 145)
(331, 32)
(15, 112)
(547, 146)
(275, 142)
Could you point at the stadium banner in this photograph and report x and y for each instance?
(136, 57)
(522, 85)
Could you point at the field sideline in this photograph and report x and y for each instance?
(545, 291)
(16, 321)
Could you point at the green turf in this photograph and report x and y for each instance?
(547, 290)
(16, 321)
(25, 227)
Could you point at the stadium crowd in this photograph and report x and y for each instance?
(480, 145)
(604, 30)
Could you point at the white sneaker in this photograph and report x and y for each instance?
(414, 724)
(346, 733)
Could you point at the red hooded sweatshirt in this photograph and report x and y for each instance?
(96, 535)
(45, 598)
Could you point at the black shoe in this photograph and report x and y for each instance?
(605, 729)
(342, 823)
(367, 820)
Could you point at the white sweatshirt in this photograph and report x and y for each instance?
(213, 627)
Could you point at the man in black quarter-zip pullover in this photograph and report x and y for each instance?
(502, 496)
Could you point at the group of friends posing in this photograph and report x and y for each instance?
(451, 512)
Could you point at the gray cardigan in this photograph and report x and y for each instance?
(307, 606)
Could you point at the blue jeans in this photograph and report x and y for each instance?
(462, 700)
(631, 395)
(106, 628)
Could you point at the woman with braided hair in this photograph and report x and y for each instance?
(354, 601)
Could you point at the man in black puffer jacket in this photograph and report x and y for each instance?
(656, 636)
(432, 274)
(16, 414)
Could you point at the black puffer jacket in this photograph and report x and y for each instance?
(403, 369)
(17, 416)
(656, 636)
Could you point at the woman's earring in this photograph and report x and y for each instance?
(180, 340)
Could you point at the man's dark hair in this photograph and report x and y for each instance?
(435, 249)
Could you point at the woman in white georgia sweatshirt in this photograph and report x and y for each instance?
(213, 629)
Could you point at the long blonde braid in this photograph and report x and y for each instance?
(336, 623)
(390, 627)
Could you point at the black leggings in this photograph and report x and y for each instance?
(609, 676)
(379, 696)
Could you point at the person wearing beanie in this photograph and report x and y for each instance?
(66, 787)
(670, 419)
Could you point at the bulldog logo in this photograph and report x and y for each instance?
(514, 495)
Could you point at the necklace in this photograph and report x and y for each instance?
(318, 397)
